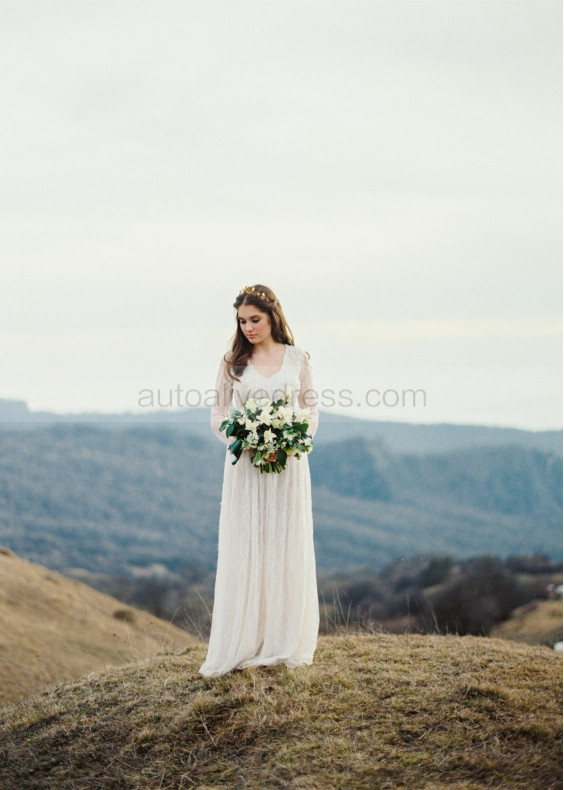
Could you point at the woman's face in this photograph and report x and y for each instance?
(254, 323)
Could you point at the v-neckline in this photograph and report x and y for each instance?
(277, 372)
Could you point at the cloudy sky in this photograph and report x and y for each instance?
(391, 169)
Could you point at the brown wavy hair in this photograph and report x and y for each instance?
(241, 348)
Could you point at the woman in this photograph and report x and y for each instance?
(265, 607)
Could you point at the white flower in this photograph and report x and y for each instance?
(302, 415)
(265, 417)
(269, 435)
(251, 404)
(285, 413)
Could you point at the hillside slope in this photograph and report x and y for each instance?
(53, 629)
(373, 711)
(536, 623)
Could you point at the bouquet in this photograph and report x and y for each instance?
(267, 427)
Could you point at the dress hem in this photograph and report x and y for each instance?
(267, 662)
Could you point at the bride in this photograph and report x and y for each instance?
(265, 608)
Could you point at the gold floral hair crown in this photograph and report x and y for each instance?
(250, 289)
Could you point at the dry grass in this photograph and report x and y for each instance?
(53, 629)
(536, 623)
(373, 711)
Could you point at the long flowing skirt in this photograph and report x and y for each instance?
(266, 608)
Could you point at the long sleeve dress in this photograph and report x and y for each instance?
(265, 608)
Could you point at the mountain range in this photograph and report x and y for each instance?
(132, 498)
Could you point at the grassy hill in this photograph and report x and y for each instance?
(54, 629)
(373, 711)
(537, 622)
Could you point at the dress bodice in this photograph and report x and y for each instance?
(294, 373)
(254, 384)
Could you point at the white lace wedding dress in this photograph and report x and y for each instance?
(265, 608)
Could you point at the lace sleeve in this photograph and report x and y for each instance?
(221, 408)
(307, 397)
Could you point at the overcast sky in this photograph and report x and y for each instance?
(392, 170)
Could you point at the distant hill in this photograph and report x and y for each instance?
(372, 711)
(81, 496)
(54, 629)
(401, 437)
(537, 622)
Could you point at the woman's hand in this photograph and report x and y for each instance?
(273, 457)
